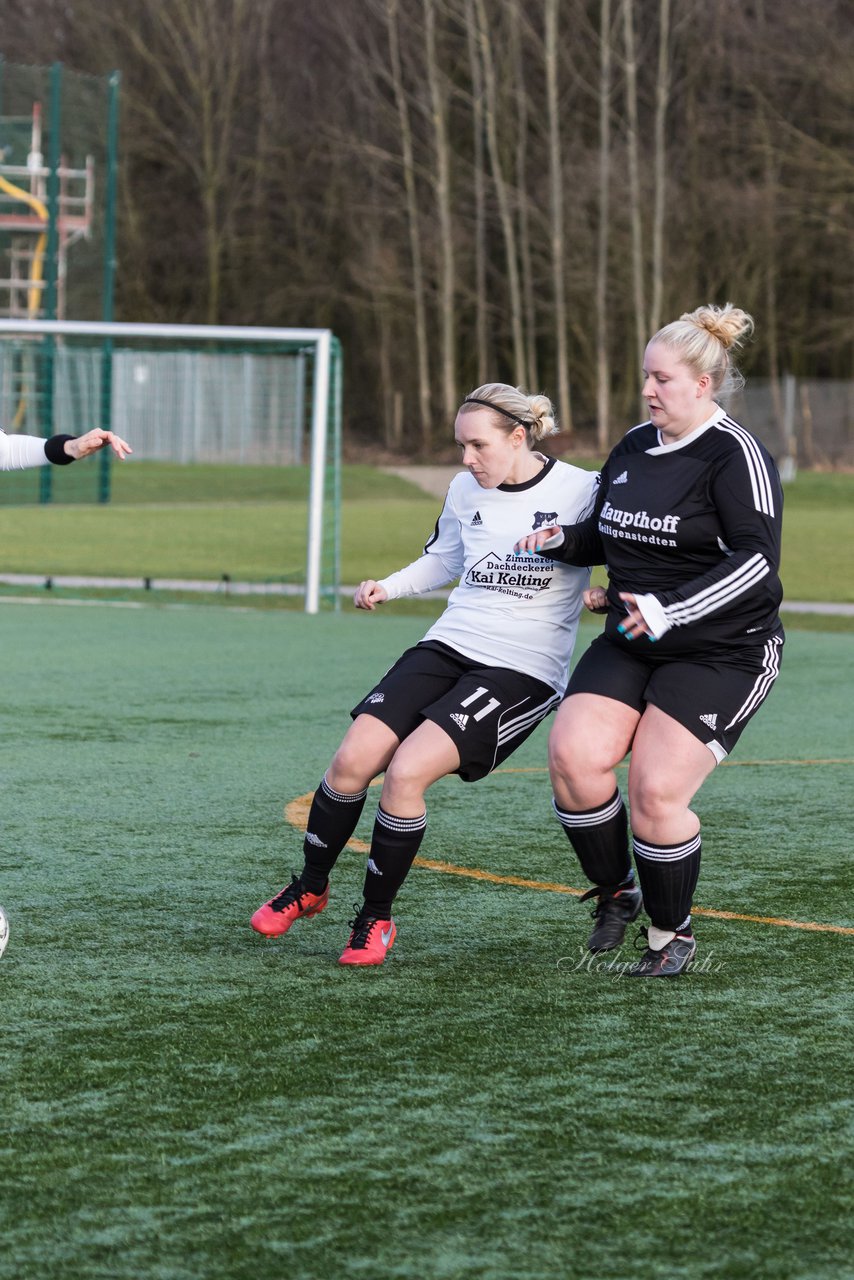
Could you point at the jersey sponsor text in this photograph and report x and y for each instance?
(502, 573)
(639, 519)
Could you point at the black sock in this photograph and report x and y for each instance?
(668, 877)
(332, 819)
(600, 840)
(394, 844)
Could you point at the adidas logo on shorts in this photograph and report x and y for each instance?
(459, 719)
(376, 697)
(711, 720)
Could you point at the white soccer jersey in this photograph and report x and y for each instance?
(18, 452)
(508, 610)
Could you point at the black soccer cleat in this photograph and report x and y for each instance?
(613, 913)
(673, 958)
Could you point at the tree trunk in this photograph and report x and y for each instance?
(662, 97)
(635, 211)
(501, 195)
(413, 223)
(558, 245)
(481, 324)
(447, 275)
(521, 96)
(603, 367)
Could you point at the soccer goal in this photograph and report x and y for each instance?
(183, 394)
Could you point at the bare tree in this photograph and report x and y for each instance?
(558, 243)
(368, 174)
(447, 271)
(200, 80)
(662, 97)
(479, 166)
(521, 94)
(413, 219)
(635, 199)
(603, 366)
(502, 194)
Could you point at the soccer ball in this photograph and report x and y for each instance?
(4, 931)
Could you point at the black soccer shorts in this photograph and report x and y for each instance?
(487, 711)
(714, 700)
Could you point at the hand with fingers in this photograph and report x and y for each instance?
(369, 594)
(596, 599)
(92, 441)
(542, 540)
(633, 626)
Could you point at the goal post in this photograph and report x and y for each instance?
(186, 393)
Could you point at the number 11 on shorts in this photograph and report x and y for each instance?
(484, 711)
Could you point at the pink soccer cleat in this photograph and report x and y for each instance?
(294, 902)
(370, 939)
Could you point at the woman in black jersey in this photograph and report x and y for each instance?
(687, 519)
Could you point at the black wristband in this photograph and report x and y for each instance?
(54, 449)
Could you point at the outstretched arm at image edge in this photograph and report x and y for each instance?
(19, 452)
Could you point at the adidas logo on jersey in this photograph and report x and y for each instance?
(376, 697)
(459, 719)
(622, 479)
(711, 720)
(476, 519)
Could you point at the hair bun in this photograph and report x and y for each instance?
(729, 324)
(542, 414)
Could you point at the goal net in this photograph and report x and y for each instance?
(183, 394)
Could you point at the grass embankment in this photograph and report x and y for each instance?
(168, 521)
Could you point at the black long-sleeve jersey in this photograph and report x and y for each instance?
(696, 526)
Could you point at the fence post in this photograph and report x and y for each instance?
(789, 460)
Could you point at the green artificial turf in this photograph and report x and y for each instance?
(184, 1099)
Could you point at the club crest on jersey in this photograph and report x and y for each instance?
(542, 519)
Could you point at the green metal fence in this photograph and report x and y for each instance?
(58, 161)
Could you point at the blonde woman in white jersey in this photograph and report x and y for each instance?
(481, 680)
